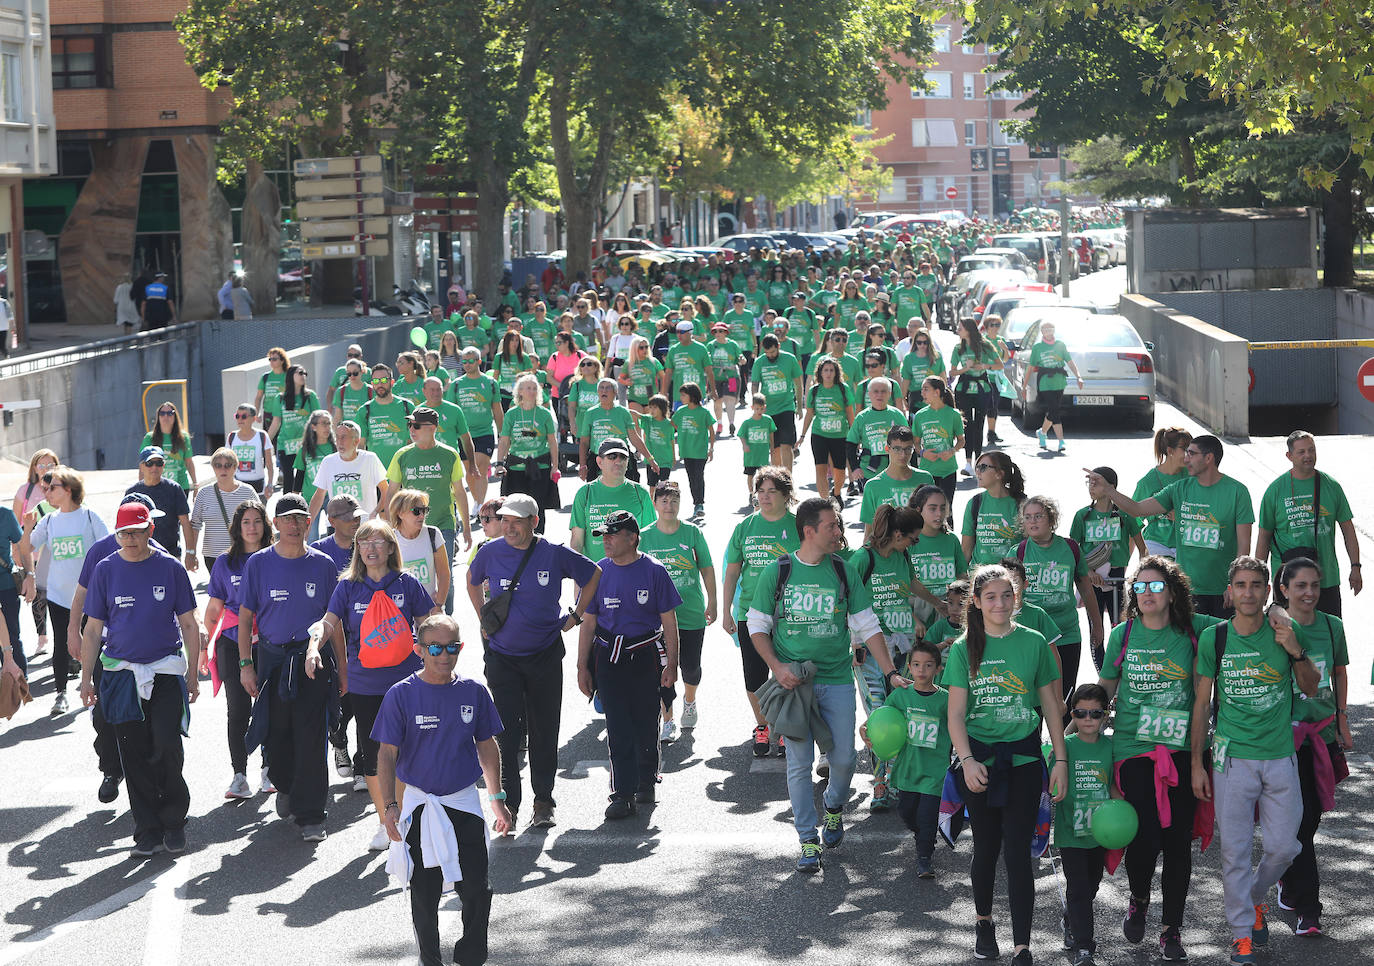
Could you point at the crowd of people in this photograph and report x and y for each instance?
(329, 536)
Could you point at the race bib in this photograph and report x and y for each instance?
(1202, 536)
(1219, 747)
(934, 570)
(775, 385)
(831, 424)
(811, 603)
(68, 548)
(353, 488)
(419, 569)
(922, 730)
(1164, 726)
(1104, 530)
(247, 457)
(1053, 577)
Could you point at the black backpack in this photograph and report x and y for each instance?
(785, 571)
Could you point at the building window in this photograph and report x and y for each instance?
(81, 61)
(895, 192)
(969, 88)
(970, 133)
(927, 188)
(863, 117)
(11, 82)
(932, 132)
(940, 35)
(965, 46)
(1003, 95)
(940, 81)
(1002, 137)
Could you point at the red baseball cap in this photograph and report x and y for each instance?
(133, 516)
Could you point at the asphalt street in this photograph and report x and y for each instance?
(706, 875)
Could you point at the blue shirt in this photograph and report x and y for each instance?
(171, 500)
(287, 595)
(630, 599)
(139, 604)
(330, 548)
(535, 620)
(349, 602)
(435, 728)
(157, 290)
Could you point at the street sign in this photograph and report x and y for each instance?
(444, 203)
(367, 164)
(345, 249)
(445, 222)
(342, 228)
(978, 159)
(1364, 379)
(1041, 151)
(341, 208)
(335, 187)
(951, 192)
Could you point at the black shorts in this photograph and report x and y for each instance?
(785, 432)
(484, 444)
(728, 386)
(830, 450)
(749, 471)
(1051, 401)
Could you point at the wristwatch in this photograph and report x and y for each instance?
(245, 662)
(575, 617)
(498, 797)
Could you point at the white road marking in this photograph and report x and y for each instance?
(162, 945)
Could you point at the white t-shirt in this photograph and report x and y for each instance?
(250, 453)
(620, 346)
(358, 477)
(418, 556)
(68, 535)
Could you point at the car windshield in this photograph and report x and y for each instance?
(1079, 331)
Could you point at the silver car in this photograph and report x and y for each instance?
(1116, 365)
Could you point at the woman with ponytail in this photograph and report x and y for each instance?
(939, 433)
(1170, 443)
(991, 527)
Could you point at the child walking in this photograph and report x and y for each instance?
(1090, 784)
(918, 773)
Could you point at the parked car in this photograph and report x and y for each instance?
(914, 224)
(868, 219)
(1041, 249)
(1012, 255)
(744, 241)
(1019, 319)
(1114, 361)
(963, 283)
(984, 293)
(1111, 240)
(612, 246)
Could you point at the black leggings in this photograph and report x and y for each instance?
(289, 479)
(920, 813)
(1052, 404)
(976, 407)
(755, 670)
(1082, 876)
(1007, 832)
(1069, 655)
(238, 704)
(689, 644)
(696, 478)
(1175, 842)
(61, 657)
(1302, 883)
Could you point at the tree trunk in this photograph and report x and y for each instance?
(261, 238)
(1338, 245)
(493, 195)
(581, 196)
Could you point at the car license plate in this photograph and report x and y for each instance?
(1094, 400)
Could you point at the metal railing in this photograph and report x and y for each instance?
(61, 357)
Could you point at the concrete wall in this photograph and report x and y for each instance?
(1220, 249)
(1200, 367)
(1354, 320)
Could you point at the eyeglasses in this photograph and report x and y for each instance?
(380, 543)
(242, 416)
(486, 518)
(1095, 713)
(615, 456)
(1153, 586)
(982, 467)
(436, 649)
(1033, 517)
(419, 511)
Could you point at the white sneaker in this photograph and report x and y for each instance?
(668, 732)
(59, 705)
(689, 714)
(968, 467)
(42, 647)
(823, 765)
(359, 783)
(238, 788)
(380, 840)
(265, 784)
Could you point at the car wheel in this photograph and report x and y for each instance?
(1145, 421)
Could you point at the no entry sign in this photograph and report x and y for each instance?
(1364, 379)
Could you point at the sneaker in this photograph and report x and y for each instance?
(924, 868)
(1171, 946)
(689, 714)
(720, 430)
(1061, 446)
(360, 783)
(1259, 932)
(667, 731)
(1042, 438)
(1241, 952)
(760, 740)
(265, 785)
(645, 796)
(343, 765)
(148, 847)
(109, 789)
(174, 840)
(993, 437)
(1068, 933)
(782, 747)
(1283, 903)
(313, 833)
(832, 829)
(283, 805)
(238, 788)
(880, 802)
(732, 429)
(620, 808)
(823, 765)
(543, 815)
(1023, 958)
(1133, 926)
(59, 705)
(380, 840)
(985, 940)
(1084, 957)
(809, 862)
(1308, 926)
(699, 510)
(968, 467)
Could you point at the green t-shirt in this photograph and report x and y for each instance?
(755, 302)
(695, 426)
(742, 327)
(943, 632)
(996, 531)
(474, 338)
(1092, 528)
(528, 431)
(1046, 355)
(756, 439)
(688, 364)
(890, 584)
(643, 376)
(1207, 517)
(907, 301)
(755, 542)
(964, 356)
(1256, 684)
(1159, 528)
(777, 379)
(271, 385)
(659, 435)
(684, 553)
(847, 309)
(452, 423)
(601, 424)
(1154, 701)
(930, 284)
(435, 471)
(541, 334)
(414, 391)
(582, 394)
(1286, 511)
(350, 400)
(177, 458)
(724, 358)
(869, 431)
(814, 623)
(938, 561)
(938, 429)
(779, 295)
(1034, 617)
(1003, 703)
(310, 465)
(801, 326)
(924, 759)
(1090, 784)
(916, 368)
(828, 405)
(293, 421)
(595, 501)
(883, 488)
(1050, 575)
(850, 366)
(384, 426)
(475, 396)
(1324, 641)
(506, 371)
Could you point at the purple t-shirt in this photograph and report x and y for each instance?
(349, 602)
(435, 728)
(287, 595)
(535, 620)
(103, 548)
(330, 547)
(225, 578)
(630, 599)
(139, 604)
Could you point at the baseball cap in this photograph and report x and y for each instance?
(613, 445)
(641, 297)
(423, 416)
(150, 453)
(720, 327)
(684, 326)
(342, 507)
(291, 505)
(737, 297)
(133, 516)
(799, 295)
(615, 522)
(519, 505)
(145, 500)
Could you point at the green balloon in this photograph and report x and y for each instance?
(886, 732)
(418, 337)
(1114, 824)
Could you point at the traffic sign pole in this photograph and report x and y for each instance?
(358, 180)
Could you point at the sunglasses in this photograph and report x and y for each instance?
(1153, 586)
(436, 649)
(627, 325)
(223, 466)
(587, 365)
(419, 511)
(381, 382)
(487, 518)
(615, 456)
(166, 412)
(1095, 713)
(242, 416)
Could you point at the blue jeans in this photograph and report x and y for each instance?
(837, 708)
(449, 536)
